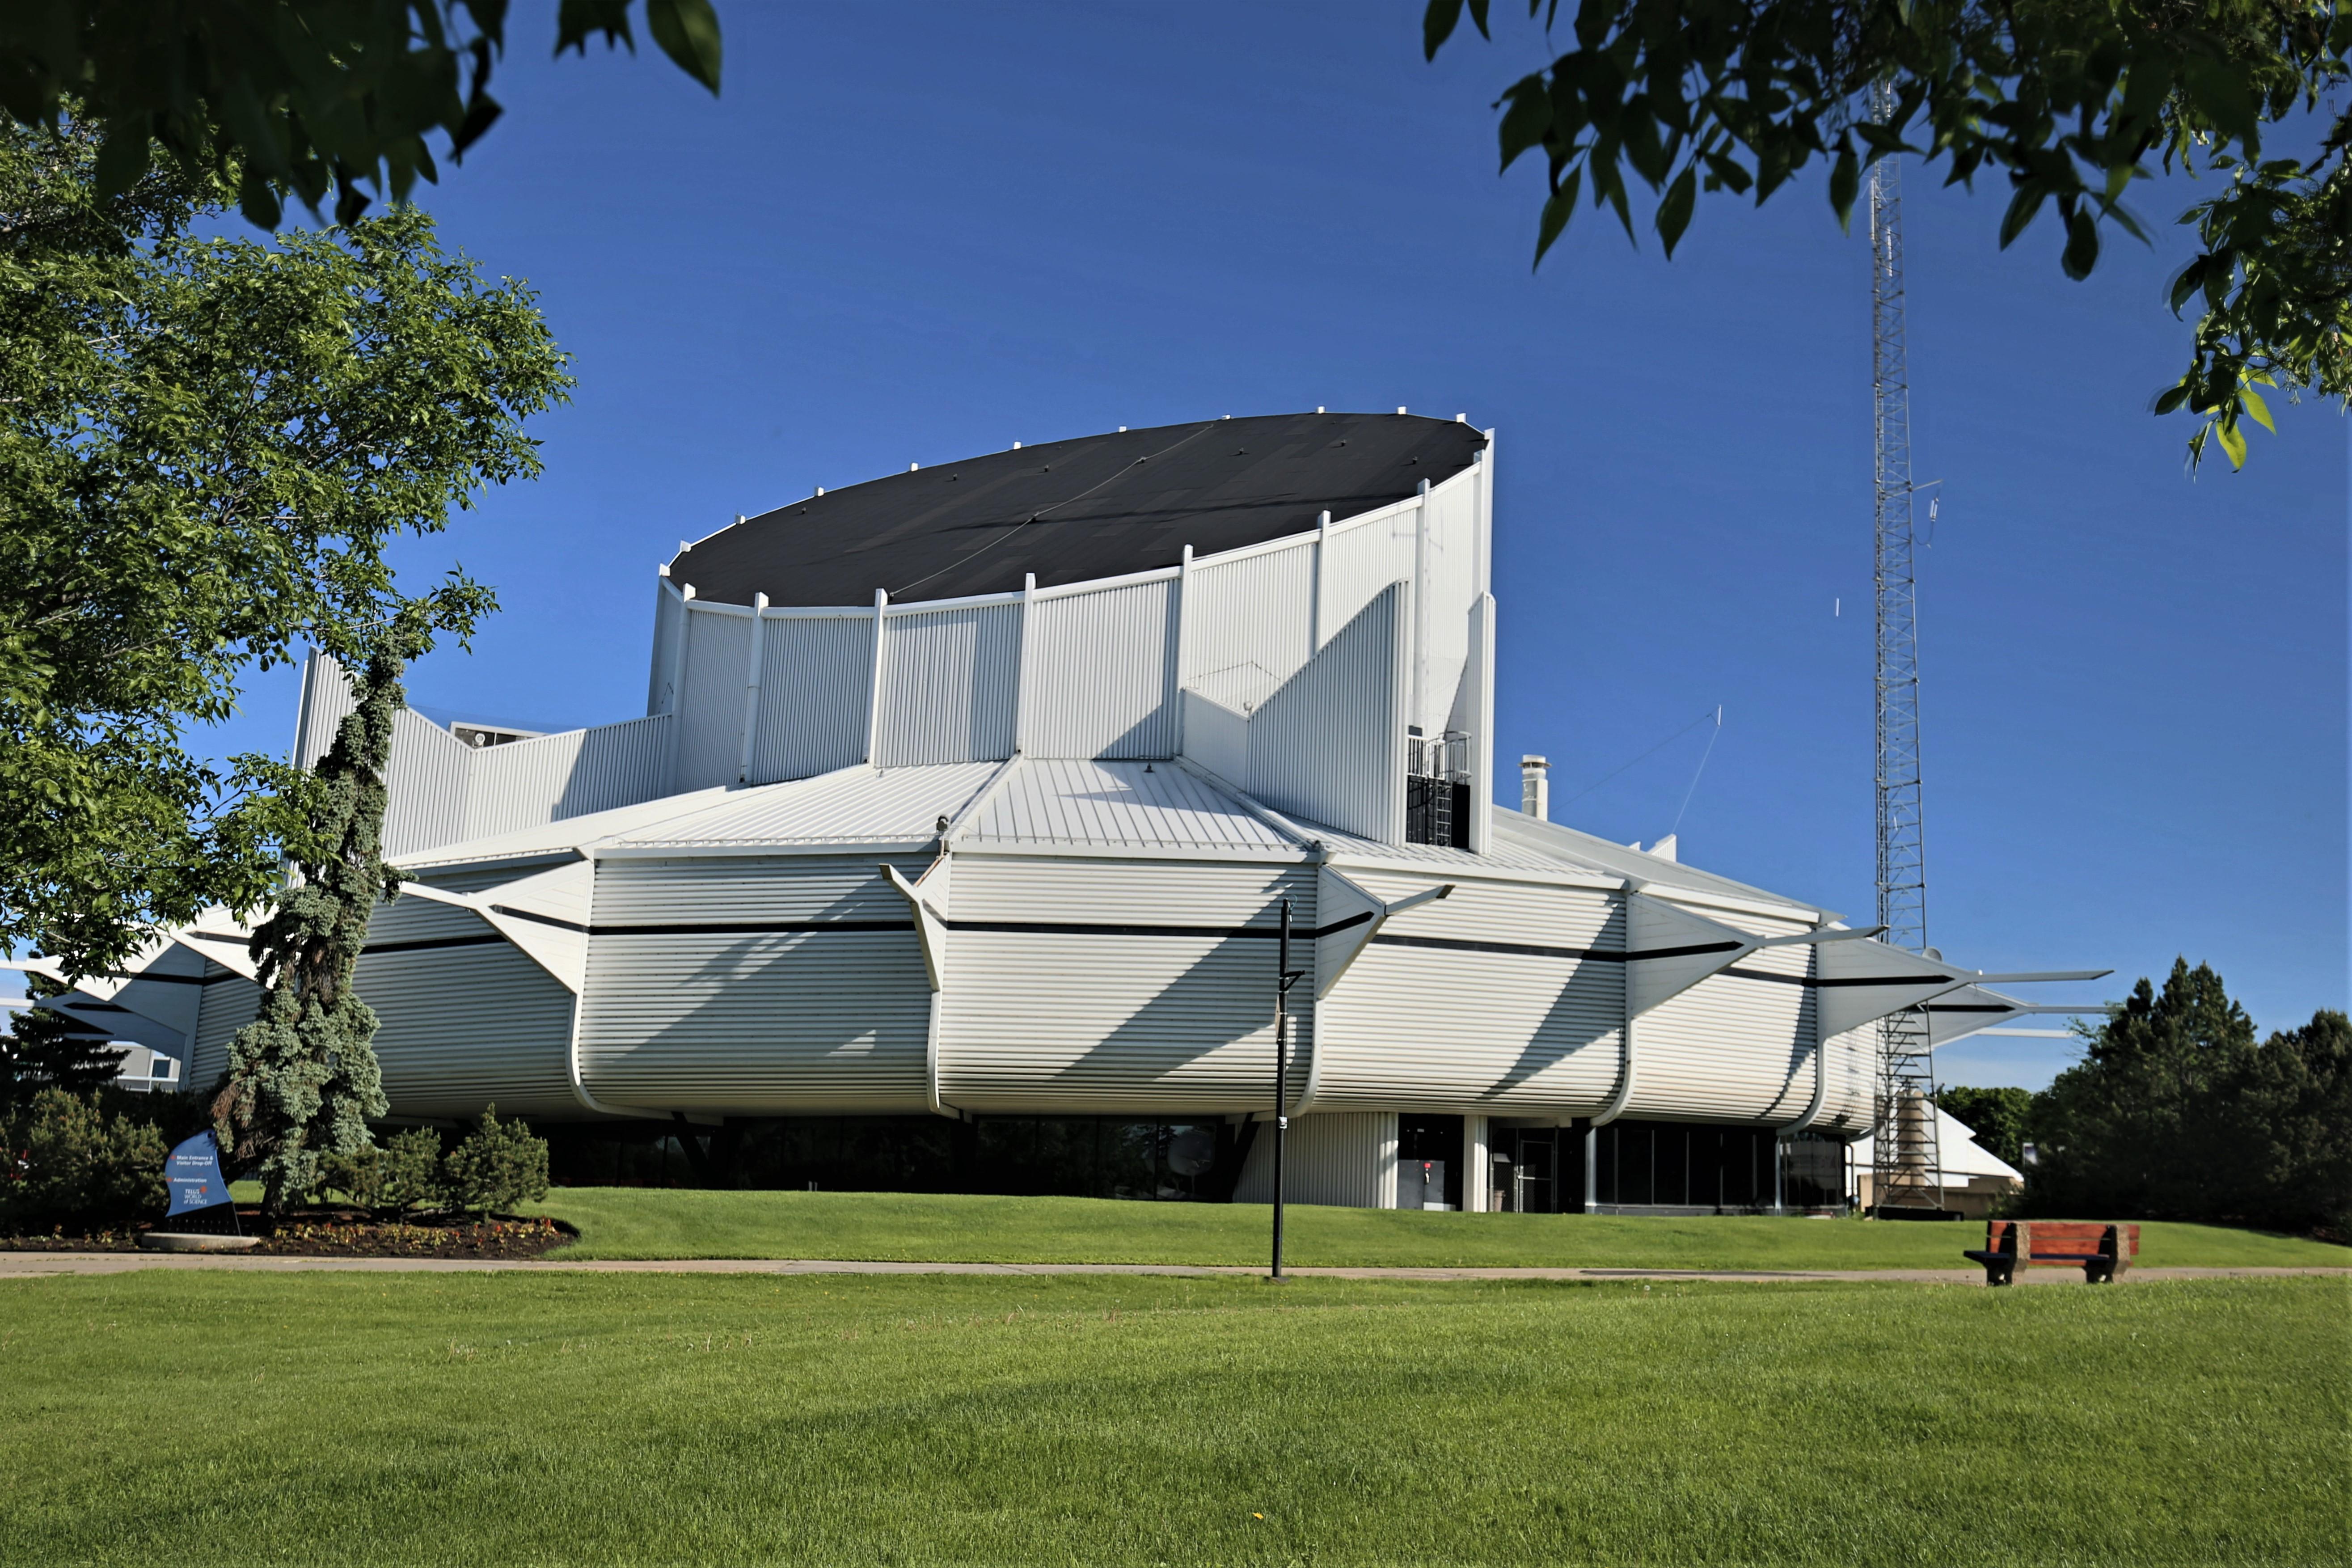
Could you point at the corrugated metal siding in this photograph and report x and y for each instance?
(1329, 745)
(424, 786)
(1362, 559)
(1729, 1048)
(951, 682)
(1247, 623)
(1452, 588)
(1068, 801)
(1100, 1022)
(1480, 1032)
(548, 779)
(854, 805)
(326, 702)
(460, 1027)
(1103, 684)
(230, 1002)
(711, 714)
(1850, 1103)
(816, 676)
(798, 1023)
(1348, 1160)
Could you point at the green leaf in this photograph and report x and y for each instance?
(1675, 211)
(2221, 93)
(1437, 24)
(2252, 402)
(1845, 185)
(2233, 440)
(2082, 252)
(576, 19)
(1557, 212)
(688, 32)
(1528, 119)
(2172, 397)
(122, 158)
(2022, 208)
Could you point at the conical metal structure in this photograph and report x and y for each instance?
(1907, 1165)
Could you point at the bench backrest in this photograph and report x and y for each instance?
(2061, 1240)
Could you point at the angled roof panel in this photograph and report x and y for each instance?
(552, 837)
(1071, 511)
(856, 806)
(1566, 846)
(1145, 804)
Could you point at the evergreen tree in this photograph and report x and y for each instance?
(2176, 1112)
(2287, 1129)
(44, 1049)
(2130, 1129)
(303, 1079)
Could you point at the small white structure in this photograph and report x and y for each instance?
(1972, 1178)
(986, 790)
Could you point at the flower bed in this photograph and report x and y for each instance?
(351, 1233)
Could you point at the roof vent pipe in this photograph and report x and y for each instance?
(1535, 788)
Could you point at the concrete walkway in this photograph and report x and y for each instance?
(32, 1265)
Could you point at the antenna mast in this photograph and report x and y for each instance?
(1907, 1166)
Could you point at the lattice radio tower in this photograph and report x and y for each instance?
(1906, 1164)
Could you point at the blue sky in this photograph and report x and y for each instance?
(914, 233)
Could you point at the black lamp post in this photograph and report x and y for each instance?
(1284, 977)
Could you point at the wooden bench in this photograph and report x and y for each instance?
(2103, 1250)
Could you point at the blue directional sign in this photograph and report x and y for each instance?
(193, 1169)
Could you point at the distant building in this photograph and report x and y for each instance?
(965, 812)
(1971, 1177)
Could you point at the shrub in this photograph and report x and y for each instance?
(402, 1173)
(72, 1167)
(411, 1171)
(498, 1166)
(358, 1175)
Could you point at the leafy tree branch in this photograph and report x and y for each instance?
(2068, 102)
(299, 98)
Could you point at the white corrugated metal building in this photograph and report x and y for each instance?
(981, 792)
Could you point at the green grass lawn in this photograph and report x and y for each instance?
(597, 1418)
(650, 1222)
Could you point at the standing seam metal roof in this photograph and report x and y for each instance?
(1074, 510)
(856, 806)
(1146, 804)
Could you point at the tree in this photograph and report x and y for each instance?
(498, 1166)
(2071, 100)
(206, 447)
(44, 1049)
(1996, 1117)
(2176, 1113)
(295, 97)
(64, 1162)
(2287, 1126)
(302, 1076)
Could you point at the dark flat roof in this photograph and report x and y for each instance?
(1098, 506)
